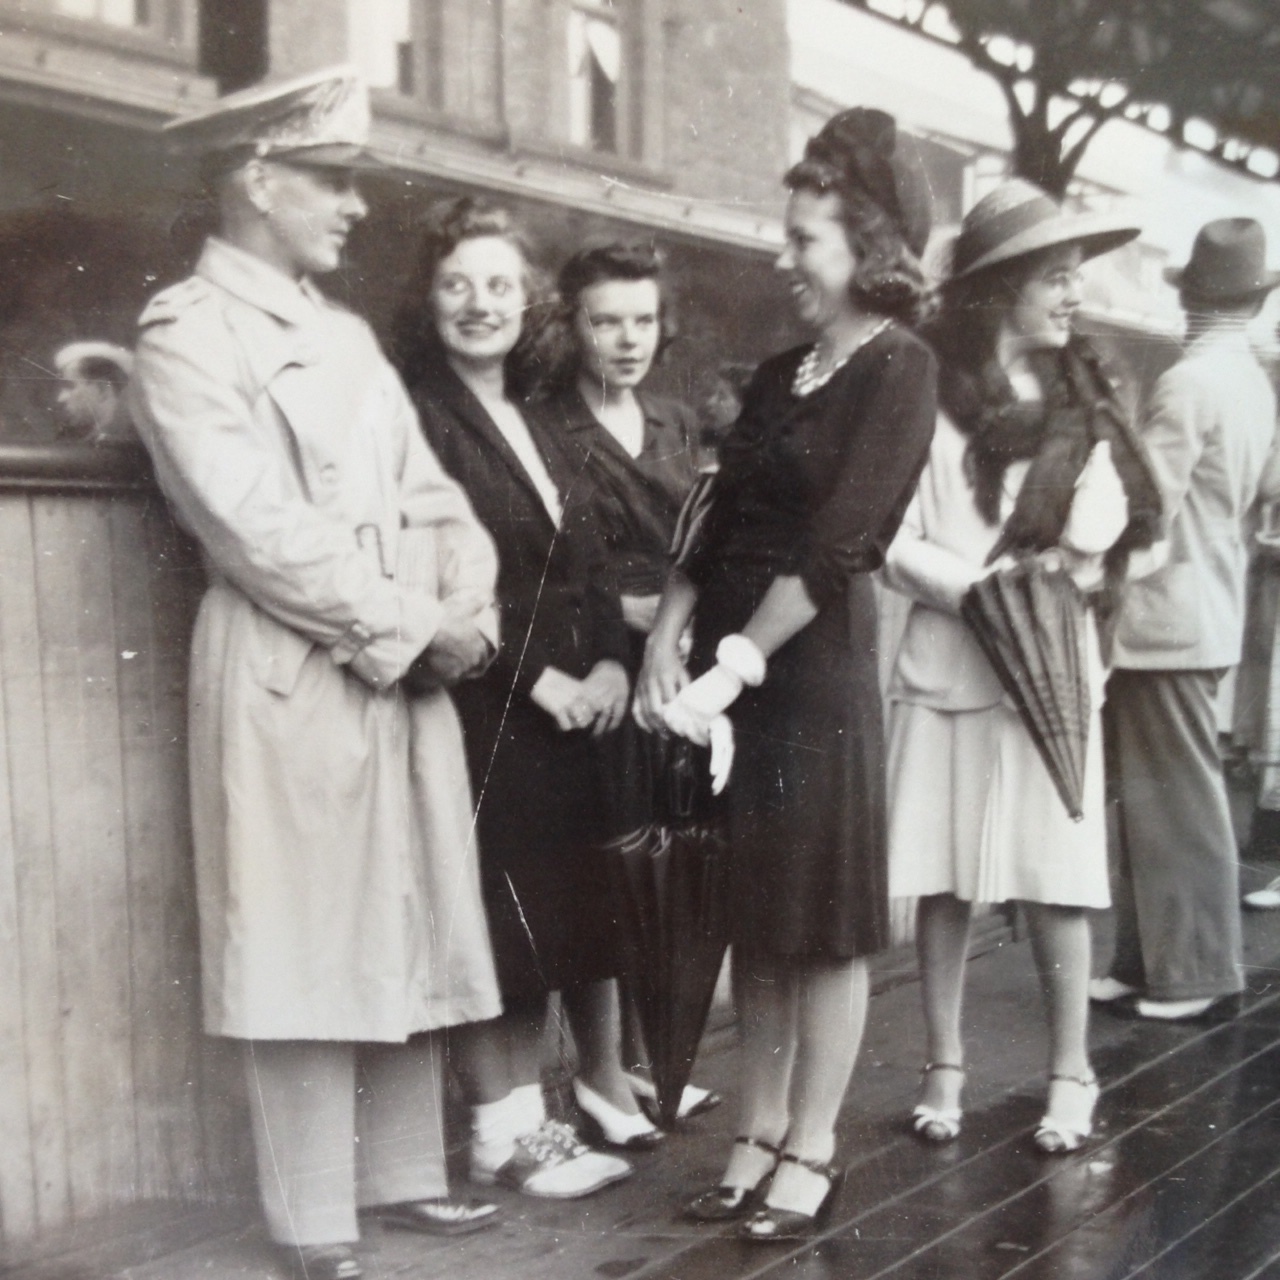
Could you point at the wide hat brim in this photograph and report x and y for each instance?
(1095, 233)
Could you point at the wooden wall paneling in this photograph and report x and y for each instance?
(73, 587)
(31, 815)
(164, 1086)
(17, 1183)
(178, 583)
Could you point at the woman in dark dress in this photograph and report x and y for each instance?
(558, 681)
(814, 480)
(637, 451)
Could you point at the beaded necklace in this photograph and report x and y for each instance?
(808, 379)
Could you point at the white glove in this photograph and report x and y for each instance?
(721, 753)
(1100, 508)
(690, 713)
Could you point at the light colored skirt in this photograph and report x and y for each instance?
(973, 812)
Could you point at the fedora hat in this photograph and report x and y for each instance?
(1018, 218)
(1228, 263)
(319, 120)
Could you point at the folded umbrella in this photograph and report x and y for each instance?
(1031, 623)
(671, 894)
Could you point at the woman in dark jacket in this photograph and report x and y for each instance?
(558, 680)
(814, 479)
(636, 450)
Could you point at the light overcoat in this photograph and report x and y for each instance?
(1207, 432)
(336, 869)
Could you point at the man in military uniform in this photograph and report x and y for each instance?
(340, 916)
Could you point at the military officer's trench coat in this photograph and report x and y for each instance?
(335, 862)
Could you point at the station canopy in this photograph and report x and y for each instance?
(1205, 73)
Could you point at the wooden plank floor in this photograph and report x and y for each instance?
(1181, 1182)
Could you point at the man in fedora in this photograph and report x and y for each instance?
(338, 892)
(1208, 430)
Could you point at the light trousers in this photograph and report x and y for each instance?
(1176, 891)
(340, 1126)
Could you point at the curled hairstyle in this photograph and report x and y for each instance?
(415, 339)
(587, 267)
(888, 279)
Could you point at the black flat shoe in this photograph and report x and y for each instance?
(439, 1217)
(781, 1226)
(321, 1261)
(726, 1203)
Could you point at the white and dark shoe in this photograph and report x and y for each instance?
(606, 1125)
(553, 1163)
(694, 1101)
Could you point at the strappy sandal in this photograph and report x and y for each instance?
(774, 1225)
(1057, 1137)
(938, 1125)
(727, 1202)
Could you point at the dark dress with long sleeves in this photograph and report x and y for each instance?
(637, 501)
(814, 487)
(539, 810)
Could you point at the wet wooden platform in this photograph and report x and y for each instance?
(1182, 1180)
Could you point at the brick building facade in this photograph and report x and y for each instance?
(594, 118)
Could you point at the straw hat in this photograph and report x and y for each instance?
(319, 120)
(1228, 263)
(1018, 218)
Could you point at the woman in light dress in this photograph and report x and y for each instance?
(973, 814)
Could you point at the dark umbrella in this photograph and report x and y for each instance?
(1030, 622)
(670, 881)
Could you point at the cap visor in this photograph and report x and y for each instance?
(330, 156)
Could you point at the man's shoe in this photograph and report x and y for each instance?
(439, 1217)
(1267, 899)
(321, 1261)
(1174, 1010)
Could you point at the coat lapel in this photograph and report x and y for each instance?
(467, 409)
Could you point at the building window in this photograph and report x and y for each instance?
(381, 43)
(597, 66)
(117, 13)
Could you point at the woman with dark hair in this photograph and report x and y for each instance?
(636, 450)
(814, 479)
(1032, 456)
(558, 683)
(636, 446)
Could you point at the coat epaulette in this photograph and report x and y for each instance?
(170, 303)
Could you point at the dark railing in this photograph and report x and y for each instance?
(75, 467)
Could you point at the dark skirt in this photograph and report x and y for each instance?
(540, 825)
(805, 804)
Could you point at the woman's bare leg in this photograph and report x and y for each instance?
(942, 943)
(831, 1001)
(765, 999)
(596, 1022)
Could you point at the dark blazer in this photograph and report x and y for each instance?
(540, 811)
(556, 603)
(638, 499)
